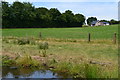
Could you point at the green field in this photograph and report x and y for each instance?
(67, 56)
(101, 32)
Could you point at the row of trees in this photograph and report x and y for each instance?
(25, 15)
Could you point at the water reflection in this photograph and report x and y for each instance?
(28, 73)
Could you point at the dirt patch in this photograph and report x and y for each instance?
(11, 55)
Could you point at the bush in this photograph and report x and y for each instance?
(84, 26)
(27, 61)
(6, 61)
(23, 41)
(43, 45)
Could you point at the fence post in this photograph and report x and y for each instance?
(40, 35)
(89, 36)
(114, 38)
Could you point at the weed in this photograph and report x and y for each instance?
(23, 41)
(43, 45)
(43, 53)
(32, 42)
(92, 71)
(27, 61)
(53, 61)
(64, 67)
(6, 61)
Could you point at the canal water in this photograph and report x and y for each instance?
(8, 72)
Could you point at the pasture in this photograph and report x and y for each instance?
(68, 46)
(100, 32)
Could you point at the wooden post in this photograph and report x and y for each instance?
(114, 38)
(40, 35)
(89, 37)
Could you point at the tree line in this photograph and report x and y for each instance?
(25, 15)
(111, 22)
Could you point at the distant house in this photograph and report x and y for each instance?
(98, 23)
(93, 23)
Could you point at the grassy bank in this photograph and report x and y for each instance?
(77, 59)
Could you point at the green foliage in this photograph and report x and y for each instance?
(114, 21)
(25, 15)
(43, 45)
(6, 61)
(23, 41)
(92, 71)
(27, 61)
(64, 67)
(85, 26)
(91, 19)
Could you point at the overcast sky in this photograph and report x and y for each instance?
(102, 9)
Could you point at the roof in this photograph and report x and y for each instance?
(94, 22)
(105, 22)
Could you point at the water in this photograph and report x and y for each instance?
(28, 73)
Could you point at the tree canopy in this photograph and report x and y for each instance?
(25, 15)
(91, 19)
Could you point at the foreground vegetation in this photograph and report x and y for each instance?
(90, 60)
(62, 53)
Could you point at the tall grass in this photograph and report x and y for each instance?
(92, 71)
(26, 61)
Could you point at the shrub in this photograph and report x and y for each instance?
(23, 41)
(43, 45)
(84, 26)
(27, 61)
(6, 61)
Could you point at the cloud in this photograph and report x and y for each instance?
(97, 9)
(107, 10)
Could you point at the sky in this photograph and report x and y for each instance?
(102, 9)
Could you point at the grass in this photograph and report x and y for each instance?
(69, 57)
(26, 61)
(68, 52)
(100, 32)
